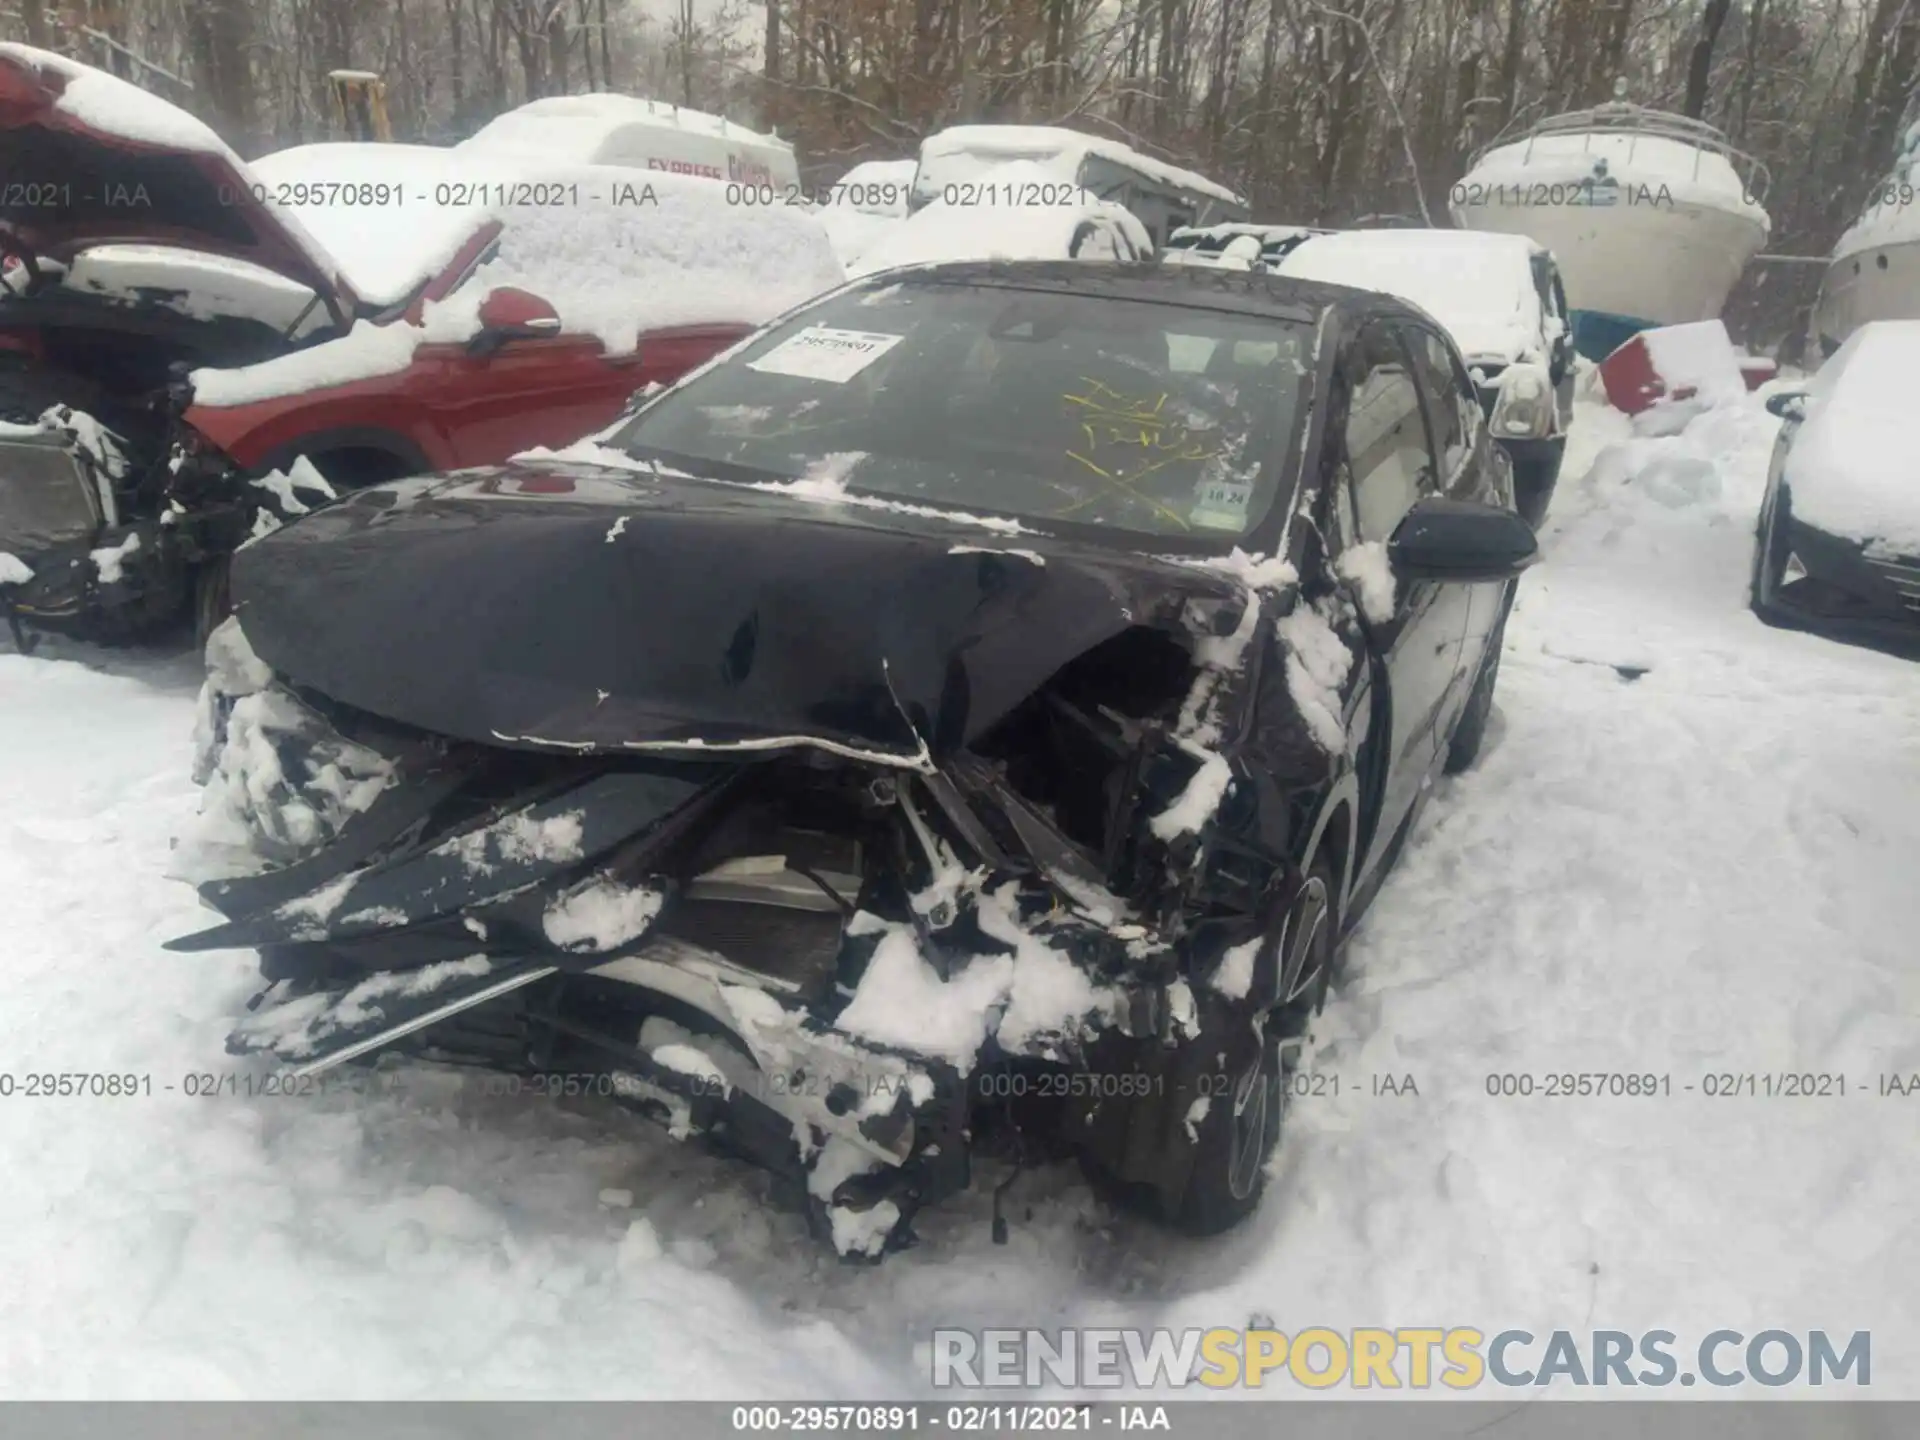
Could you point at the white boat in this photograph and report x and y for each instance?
(1651, 216)
(1875, 270)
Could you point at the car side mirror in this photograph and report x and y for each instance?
(1788, 405)
(1461, 541)
(510, 313)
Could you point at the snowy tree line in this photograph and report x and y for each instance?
(1321, 111)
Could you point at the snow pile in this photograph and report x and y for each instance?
(283, 485)
(902, 1001)
(14, 570)
(1234, 976)
(1201, 798)
(1033, 1001)
(1318, 662)
(1051, 1001)
(1478, 285)
(1369, 570)
(518, 839)
(108, 559)
(855, 1231)
(252, 810)
(601, 914)
(1851, 468)
(1690, 174)
(994, 224)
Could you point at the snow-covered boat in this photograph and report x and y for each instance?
(1875, 271)
(1651, 216)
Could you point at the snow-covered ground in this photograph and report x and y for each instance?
(1708, 868)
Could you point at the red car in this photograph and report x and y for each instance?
(177, 326)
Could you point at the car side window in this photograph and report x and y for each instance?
(1386, 438)
(1456, 406)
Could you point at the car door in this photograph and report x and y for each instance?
(1389, 465)
(1471, 468)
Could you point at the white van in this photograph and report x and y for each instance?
(1163, 197)
(641, 134)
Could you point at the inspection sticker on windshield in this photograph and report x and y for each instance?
(820, 352)
(1221, 504)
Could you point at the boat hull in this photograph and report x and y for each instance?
(1633, 264)
(1879, 282)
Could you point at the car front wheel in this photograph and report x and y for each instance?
(1237, 1130)
(1471, 733)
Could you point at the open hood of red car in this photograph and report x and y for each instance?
(89, 159)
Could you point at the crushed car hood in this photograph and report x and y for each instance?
(90, 160)
(553, 606)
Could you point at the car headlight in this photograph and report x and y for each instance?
(1525, 406)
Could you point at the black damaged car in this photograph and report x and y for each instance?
(979, 704)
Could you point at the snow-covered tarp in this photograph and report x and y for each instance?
(635, 253)
(1851, 467)
(994, 227)
(960, 154)
(1479, 285)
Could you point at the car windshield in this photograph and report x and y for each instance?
(1148, 418)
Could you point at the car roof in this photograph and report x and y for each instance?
(1238, 292)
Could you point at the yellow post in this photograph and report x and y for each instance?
(360, 105)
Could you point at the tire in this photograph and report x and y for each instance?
(1240, 1131)
(1468, 736)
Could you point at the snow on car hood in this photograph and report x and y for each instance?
(141, 171)
(554, 606)
(1850, 467)
(1480, 286)
(617, 253)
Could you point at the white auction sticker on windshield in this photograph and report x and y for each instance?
(820, 352)
(1221, 505)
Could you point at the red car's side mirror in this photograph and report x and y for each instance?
(510, 313)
